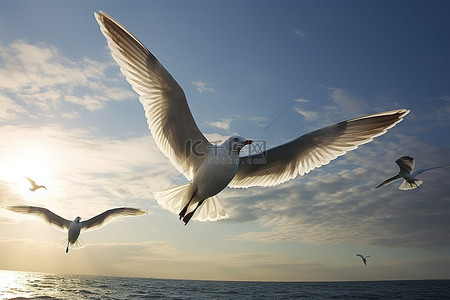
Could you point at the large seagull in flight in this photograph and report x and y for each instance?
(211, 168)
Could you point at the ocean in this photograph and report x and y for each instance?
(27, 285)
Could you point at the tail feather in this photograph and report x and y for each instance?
(405, 186)
(174, 199)
(77, 245)
(211, 210)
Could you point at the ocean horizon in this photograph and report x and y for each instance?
(35, 285)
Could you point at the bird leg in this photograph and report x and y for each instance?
(67, 248)
(183, 211)
(189, 215)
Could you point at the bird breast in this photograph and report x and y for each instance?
(74, 231)
(217, 170)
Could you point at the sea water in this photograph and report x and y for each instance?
(27, 285)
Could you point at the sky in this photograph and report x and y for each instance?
(266, 70)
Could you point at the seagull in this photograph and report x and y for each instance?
(34, 186)
(364, 258)
(406, 164)
(210, 168)
(74, 228)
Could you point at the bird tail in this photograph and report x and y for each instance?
(77, 245)
(174, 199)
(406, 186)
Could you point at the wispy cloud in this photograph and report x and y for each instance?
(346, 101)
(89, 166)
(335, 205)
(307, 114)
(10, 110)
(203, 86)
(222, 124)
(42, 77)
(299, 33)
(442, 111)
(262, 79)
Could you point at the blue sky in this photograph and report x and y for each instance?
(266, 70)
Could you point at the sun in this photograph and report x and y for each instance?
(34, 162)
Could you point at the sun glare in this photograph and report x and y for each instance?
(11, 282)
(33, 162)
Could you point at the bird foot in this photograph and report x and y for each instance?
(182, 213)
(188, 217)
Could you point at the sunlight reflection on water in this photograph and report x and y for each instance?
(27, 285)
(14, 284)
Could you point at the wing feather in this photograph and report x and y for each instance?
(312, 150)
(45, 214)
(406, 163)
(420, 171)
(32, 182)
(168, 115)
(109, 215)
(388, 181)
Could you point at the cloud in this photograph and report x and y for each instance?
(443, 111)
(262, 79)
(76, 164)
(301, 100)
(43, 78)
(307, 114)
(10, 110)
(88, 101)
(436, 112)
(299, 33)
(337, 203)
(346, 101)
(203, 86)
(222, 124)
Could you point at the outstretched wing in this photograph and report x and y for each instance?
(406, 163)
(32, 182)
(312, 150)
(417, 172)
(45, 214)
(107, 216)
(388, 181)
(168, 116)
(360, 255)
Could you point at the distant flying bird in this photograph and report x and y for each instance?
(406, 164)
(210, 168)
(364, 258)
(74, 228)
(34, 186)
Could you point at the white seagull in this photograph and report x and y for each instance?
(364, 258)
(211, 168)
(34, 186)
(74, 227)
(406, 164)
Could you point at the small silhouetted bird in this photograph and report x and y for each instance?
(364, 258)
(34, 186)
(406, 164)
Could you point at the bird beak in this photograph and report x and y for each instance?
(248, 142)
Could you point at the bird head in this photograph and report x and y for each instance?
(77, 219)
(236, 143)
